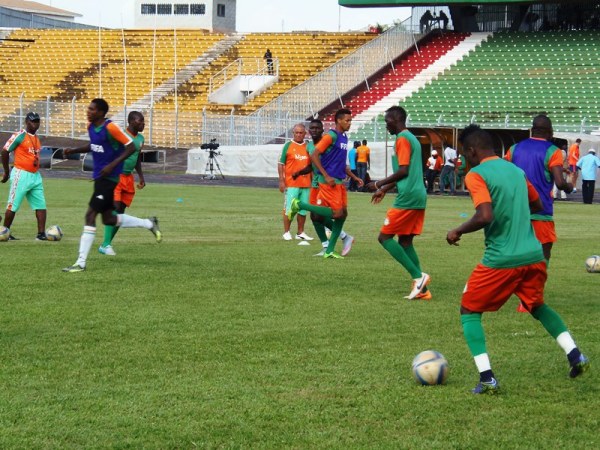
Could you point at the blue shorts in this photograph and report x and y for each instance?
(302, 194)
(24, 184)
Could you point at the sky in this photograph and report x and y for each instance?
(252, 15)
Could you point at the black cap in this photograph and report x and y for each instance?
(32, 116)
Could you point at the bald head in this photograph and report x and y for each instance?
(541, 127)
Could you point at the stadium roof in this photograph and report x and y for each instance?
(387, 3)
(37, 8)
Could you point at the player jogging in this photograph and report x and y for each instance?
(125, 190)
(406, 216)
(513, 260)
(330, 159)
(109, 147)
(25, 178)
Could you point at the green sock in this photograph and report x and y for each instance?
(114, 232)
(400, 255)
(323, 211)
(473, 332)
(550, 320)
(336, 229)
(320, 229)
(108, 235)
(412, 254)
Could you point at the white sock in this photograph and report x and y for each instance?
(343, 235)
(482, 362)
(127, 221)
(565, 340)
(325, 244)
(85, 244)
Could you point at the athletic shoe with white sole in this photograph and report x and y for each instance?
(74, 268)
(108, 250)
(487, 387)
(418, 285)
(287, 236)
(304, 236)
(579, 367)
(347, 241)
(155, 230)
(321, 253)
(332, 255)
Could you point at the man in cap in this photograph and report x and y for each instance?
(25, 179)
(589, 167)
(434, 166)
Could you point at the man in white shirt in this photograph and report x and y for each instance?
(448, 170)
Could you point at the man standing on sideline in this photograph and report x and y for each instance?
(450, 156)
(542, 163)
(109, 147)
(513, 260)
(294, 157)
(330, 158)
(363, 160)
(406, 216)
(434, 165)
(25, 178)
(589, 166)
(125, 190)
(573, 158)
(352, 162)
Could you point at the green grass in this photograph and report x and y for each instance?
(225, 336)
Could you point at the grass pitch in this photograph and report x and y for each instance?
(225, 336)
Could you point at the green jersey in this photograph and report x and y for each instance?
(130, 163)
(509, 238)
(411, 190)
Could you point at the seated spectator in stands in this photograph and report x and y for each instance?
(425, 22)
(434, 165)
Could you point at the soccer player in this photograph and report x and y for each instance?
(25, 178)
(109, 147)
(125, 190)
(330, 159)
(573, 157)
(406, 216)
(513, 260)
(320, 223)
(294, 158)
(542, 163)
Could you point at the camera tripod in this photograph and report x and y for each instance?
(212, 171)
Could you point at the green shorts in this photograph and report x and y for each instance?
(301, 194)
(27, 185)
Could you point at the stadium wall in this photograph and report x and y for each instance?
(11, 18)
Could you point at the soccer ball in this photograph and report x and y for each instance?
(430, 368)
(54, 233)
(4, 234)
(592, 264)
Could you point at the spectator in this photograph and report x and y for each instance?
(363, 161)
(352, 186)
(589, 166)
(444, 18)
(573, 158)
(450, 157)
(268, 57)
(434, 165)
(425, 22)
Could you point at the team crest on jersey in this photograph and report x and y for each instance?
(97, 148)
(386, 222)
(319, 201)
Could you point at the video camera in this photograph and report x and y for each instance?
(211, 147)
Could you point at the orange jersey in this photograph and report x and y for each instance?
(573, 154)
(362, 154)
(294, 158)
(27, 150)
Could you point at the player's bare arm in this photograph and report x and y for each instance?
(305, 171)
(559, 179)
(5, 165)
(281, 173)
(483, 216)
(358, 181)
(389, 182)
(83, 149)
(129, 149)
(138, 168)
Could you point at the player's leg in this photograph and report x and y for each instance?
(531, 293)
(406, 241)
(37, 202)
(287, 207)
(16, 193)
(338, 201)
(40, 215)
(303, 195)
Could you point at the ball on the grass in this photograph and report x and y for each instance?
(430, 368)
(4, 234)
(592, 264)
(54, 233)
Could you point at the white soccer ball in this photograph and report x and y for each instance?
(54, 233)
(4, 234)
(430, 368)
(592, 264)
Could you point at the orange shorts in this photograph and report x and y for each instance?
(335, 197)
(312, 199)
(403, 222)
(544, 231)
(487, 289)
(125, 190)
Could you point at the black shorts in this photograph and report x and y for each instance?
(102, 198)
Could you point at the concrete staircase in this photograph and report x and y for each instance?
(183, 76)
